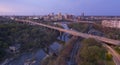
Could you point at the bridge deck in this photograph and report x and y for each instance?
(75, 33)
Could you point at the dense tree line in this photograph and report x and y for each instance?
(90, 53)
(82, 27)
(113, 33)
(28, 36)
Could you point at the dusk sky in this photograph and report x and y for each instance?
(76, 7)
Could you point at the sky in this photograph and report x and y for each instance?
(75, 7)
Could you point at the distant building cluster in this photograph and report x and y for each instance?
(66, 17)
(54, 17)
(111, 23)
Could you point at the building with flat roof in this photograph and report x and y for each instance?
(111, 23)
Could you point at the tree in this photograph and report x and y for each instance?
(108, 56)
(90, 52)
(2, 54)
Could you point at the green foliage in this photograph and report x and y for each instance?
(2, 54)
(117, 48)
(112, 33)
(108, 56)
(86, 63)
(79, 26)
(28, 36)
(91, 53)
(3, 44)
(90, 42)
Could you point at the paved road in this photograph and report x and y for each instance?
(75, 33)
(116, 56)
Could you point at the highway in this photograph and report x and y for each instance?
(116, 56)
(75, 33)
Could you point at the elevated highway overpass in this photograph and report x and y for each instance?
(75, 33)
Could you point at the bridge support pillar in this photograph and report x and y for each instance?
(64, 37)
(60, 35)
(44, 28)
(52, 30)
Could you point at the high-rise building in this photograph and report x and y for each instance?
(82, 14)
(60, 17)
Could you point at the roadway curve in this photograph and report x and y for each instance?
(75, 33)
(116, 56)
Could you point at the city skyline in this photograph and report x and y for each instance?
(76, 7)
